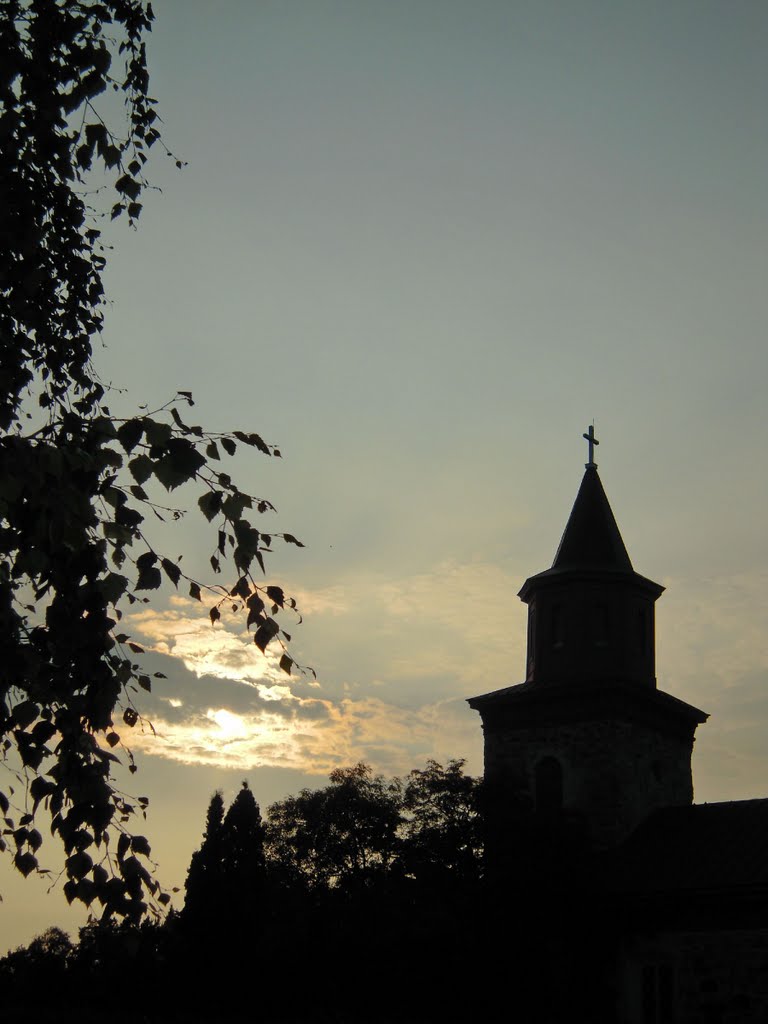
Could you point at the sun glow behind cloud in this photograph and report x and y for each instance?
(343, 733)
(278, 721)
(431, 640)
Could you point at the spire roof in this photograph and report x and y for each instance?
(591, 539)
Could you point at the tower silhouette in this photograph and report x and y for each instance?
(588, 736)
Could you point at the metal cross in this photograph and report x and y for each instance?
(592, 441)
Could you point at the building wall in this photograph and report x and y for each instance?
(580, 630)
(614, 773)
(695, 977)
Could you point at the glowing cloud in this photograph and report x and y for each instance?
(430, 640)
(282, 725)
(208, 650)
(317, 737)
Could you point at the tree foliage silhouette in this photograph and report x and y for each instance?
(344, 836)
(442, 831)
(242, 856)
(363, 828)
(204, 869)
(45, 958)
(76, 482)
(225, 881)
(365, 879)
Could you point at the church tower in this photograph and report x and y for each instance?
(588, 736)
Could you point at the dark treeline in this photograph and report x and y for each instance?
(367, 900)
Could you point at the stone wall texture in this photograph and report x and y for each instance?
(614, 772)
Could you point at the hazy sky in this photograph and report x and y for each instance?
(421, 245)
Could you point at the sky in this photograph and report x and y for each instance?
(421, 245)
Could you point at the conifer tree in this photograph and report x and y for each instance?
(226, 876)
(204, 868)
(242, 835)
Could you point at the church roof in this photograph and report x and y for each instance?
(613, 699)
(591, 539)
(591, 545)
(700, 848)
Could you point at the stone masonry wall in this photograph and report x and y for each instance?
(614, 772)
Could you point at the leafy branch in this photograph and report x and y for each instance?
(76, 489)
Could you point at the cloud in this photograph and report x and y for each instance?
(399, 657)
(183, 632)
(323, 601)
(455, 630)
(226, 704)
(316, 736)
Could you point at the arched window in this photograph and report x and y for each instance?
(549, 784)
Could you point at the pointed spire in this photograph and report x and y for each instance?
(591, 539)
